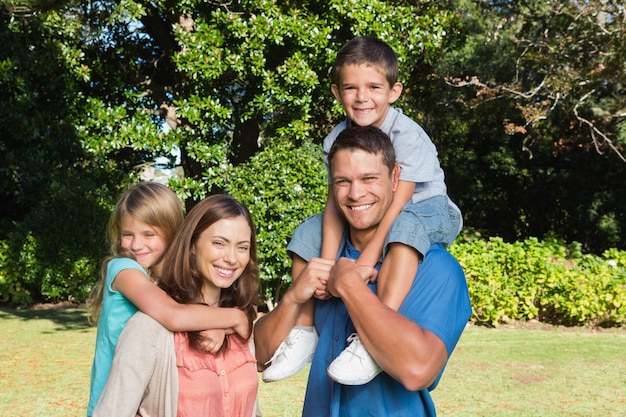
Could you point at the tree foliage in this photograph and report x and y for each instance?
(525, 101)
(527, 107)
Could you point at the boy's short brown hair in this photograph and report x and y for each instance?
(366, 50)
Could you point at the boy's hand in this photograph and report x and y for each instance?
(322, 294)
(312, 281)
(370, 273)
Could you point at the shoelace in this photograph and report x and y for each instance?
(355, 344)
(281, 350)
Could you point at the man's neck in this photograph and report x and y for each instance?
(360, 238)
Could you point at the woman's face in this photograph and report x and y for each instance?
(222, 252)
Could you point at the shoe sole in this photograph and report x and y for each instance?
(342, 381)
(299, 368)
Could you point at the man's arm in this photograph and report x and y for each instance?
(273, 327)
(408, 353)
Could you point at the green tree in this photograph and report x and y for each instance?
(523, 99)
(53, 197)
(218, 82)
(514, 107)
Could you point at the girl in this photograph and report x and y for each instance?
(157, 373)
(141, 227)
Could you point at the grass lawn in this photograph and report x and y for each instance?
(46, 358)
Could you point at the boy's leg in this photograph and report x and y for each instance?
(416, 228)
(297, 349)
(394, 287)
(355, 366)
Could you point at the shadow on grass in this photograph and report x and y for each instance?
(65, 318)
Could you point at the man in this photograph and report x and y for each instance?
(411, 345)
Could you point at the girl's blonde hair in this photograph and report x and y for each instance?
(147, 202)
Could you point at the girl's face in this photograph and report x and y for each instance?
(222, 252)
(144, 241)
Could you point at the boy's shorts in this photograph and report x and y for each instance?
(419, 225)
(435, 220)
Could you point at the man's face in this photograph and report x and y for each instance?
(363, 190)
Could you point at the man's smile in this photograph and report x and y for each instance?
(361, 207)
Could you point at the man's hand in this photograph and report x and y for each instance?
(345, 272)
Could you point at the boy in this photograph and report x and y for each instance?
(365, 82)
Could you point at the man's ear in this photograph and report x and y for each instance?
(395, 175)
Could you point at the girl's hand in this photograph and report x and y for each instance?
(212, 340)
(242, 328)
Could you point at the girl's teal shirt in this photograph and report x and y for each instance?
(116, 311)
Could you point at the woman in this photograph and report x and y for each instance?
(157, 373)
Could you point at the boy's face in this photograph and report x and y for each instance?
(365, 94)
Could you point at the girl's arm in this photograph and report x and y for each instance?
(333, 226)
(155, 302)
(372, 253)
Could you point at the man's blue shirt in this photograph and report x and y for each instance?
(438, 301)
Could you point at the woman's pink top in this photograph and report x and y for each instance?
(216, 386)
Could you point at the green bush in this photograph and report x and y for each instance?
(282, 185)
(53, 253)
(12, 289)
(548, 281)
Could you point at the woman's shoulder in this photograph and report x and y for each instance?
(143, 323)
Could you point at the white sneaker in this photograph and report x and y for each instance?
(292, 355)
(354, 366)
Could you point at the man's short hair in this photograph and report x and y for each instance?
(369, 51)
(367, 138)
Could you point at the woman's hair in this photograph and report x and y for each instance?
(366, 50)
(148, 202)
(179, 276)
